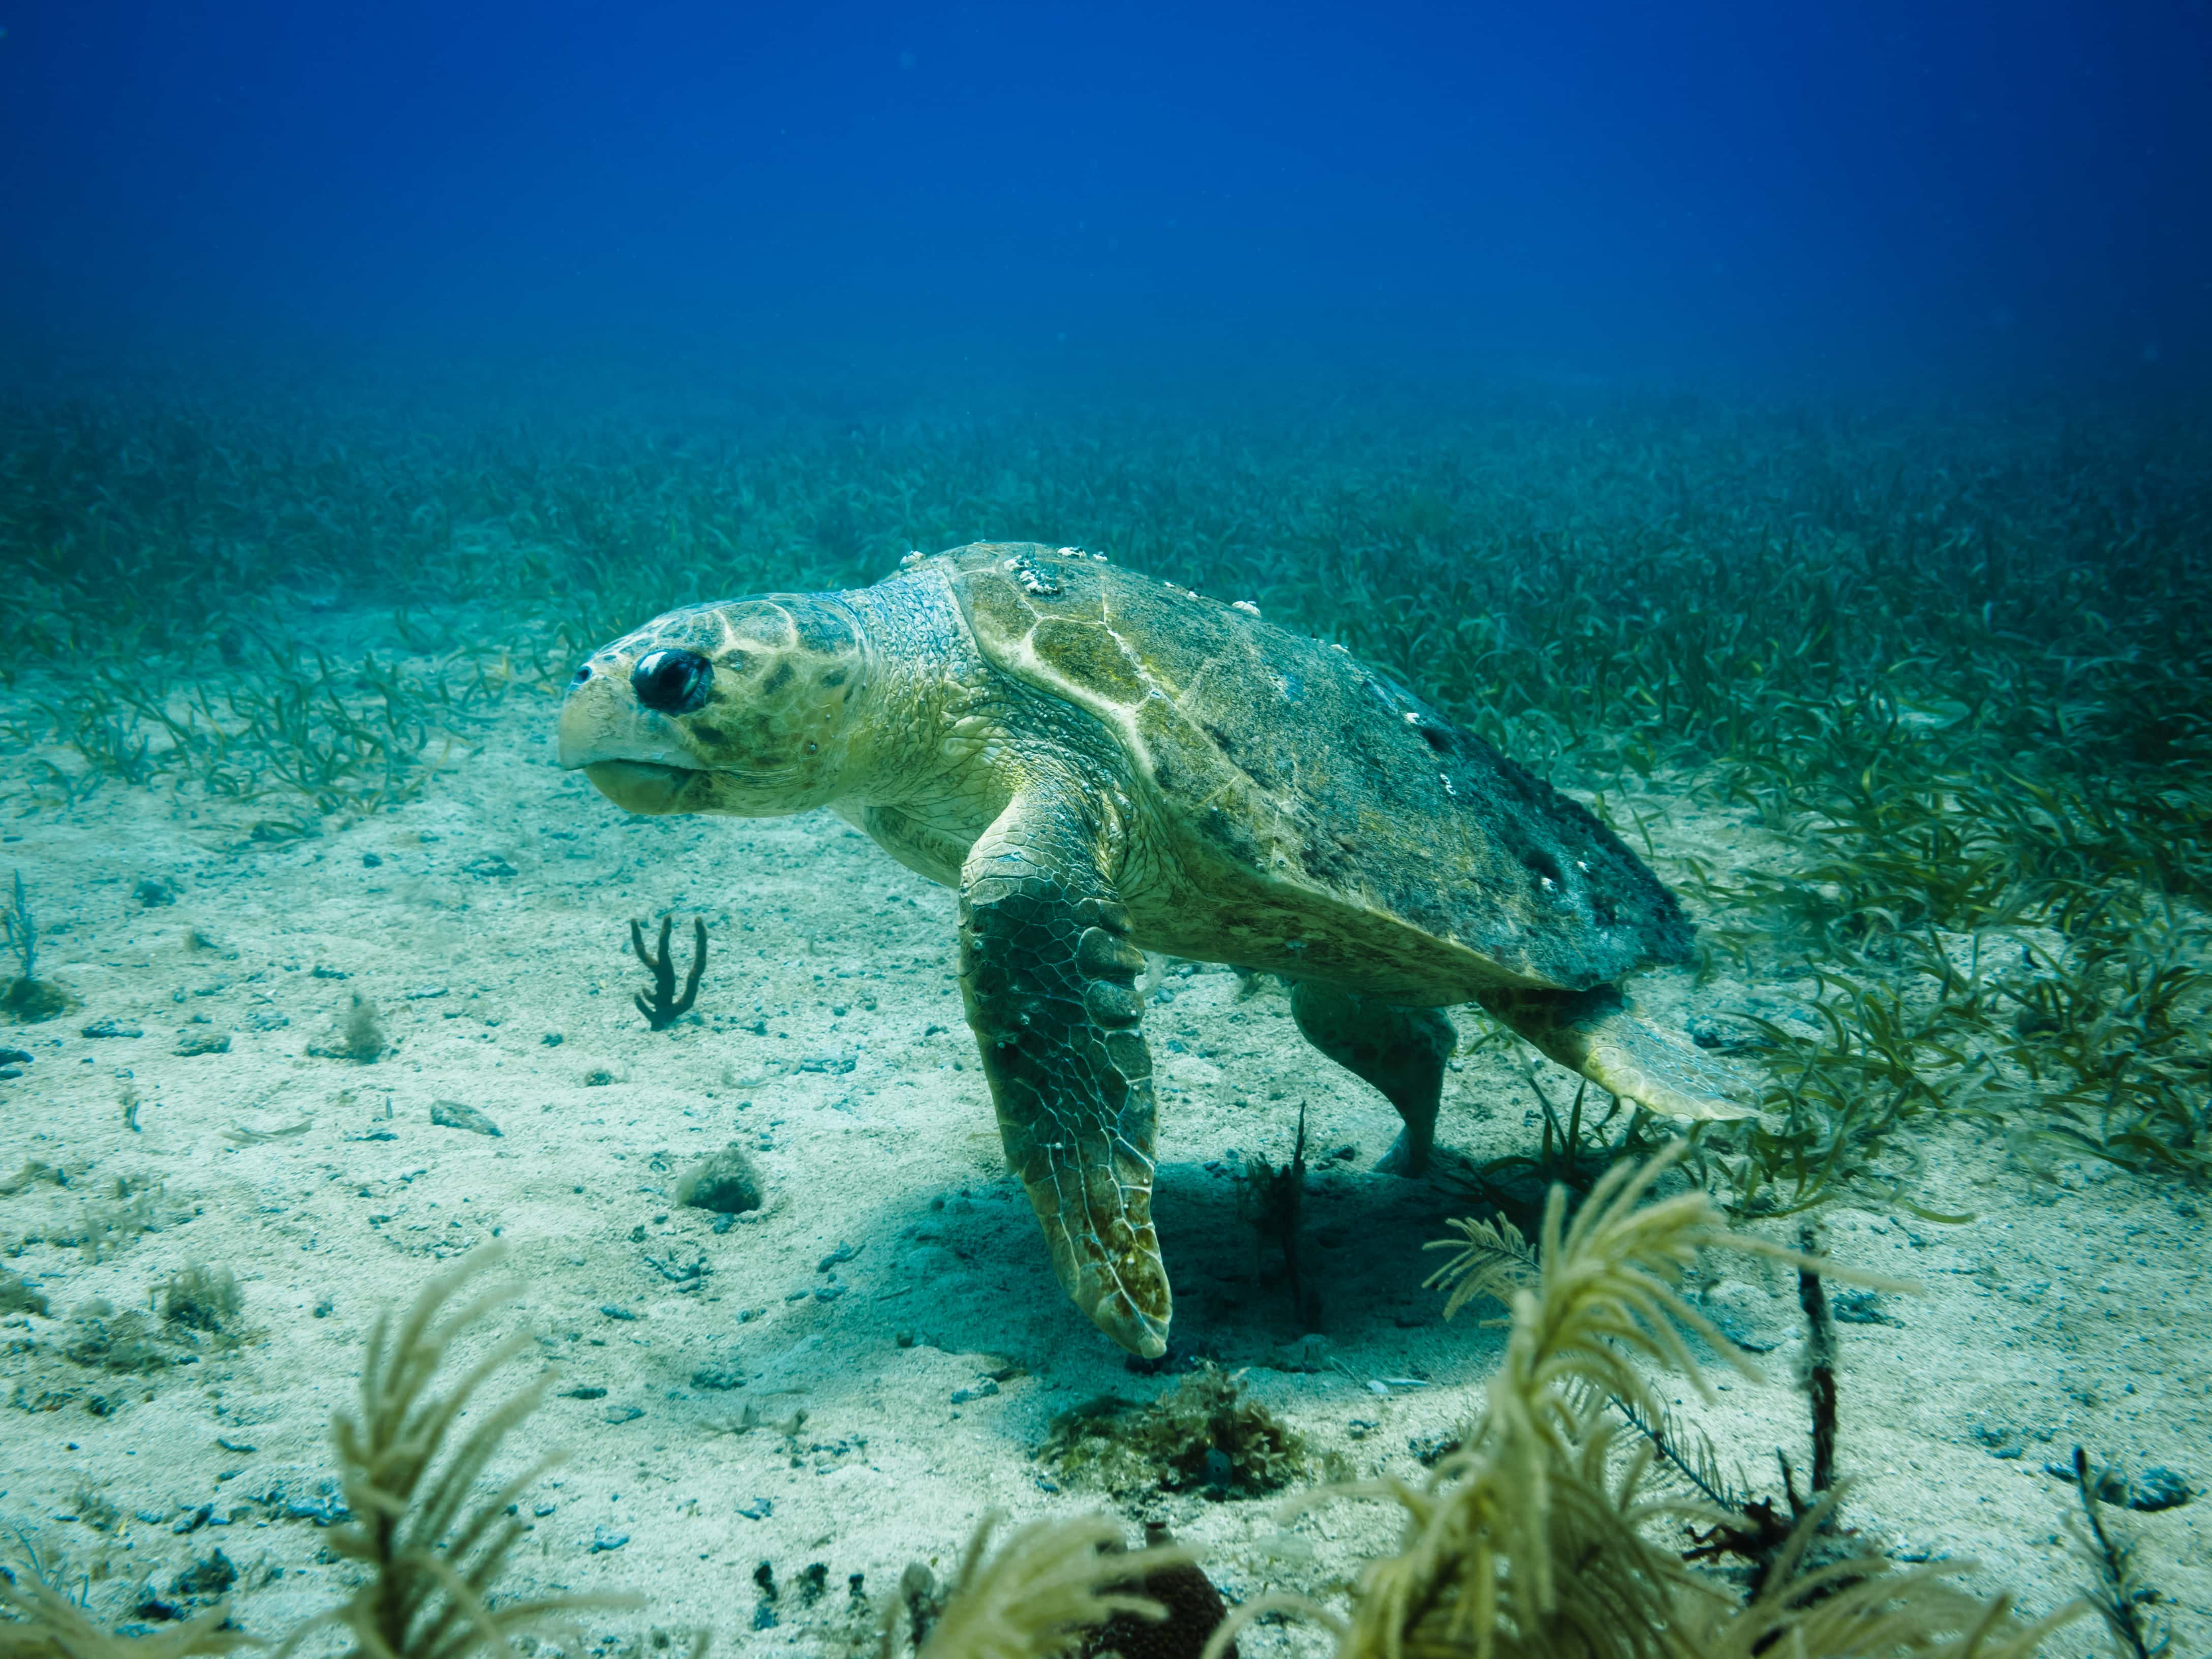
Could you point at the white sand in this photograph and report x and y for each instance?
(496, 919)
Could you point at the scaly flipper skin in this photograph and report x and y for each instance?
(1049, 980)
(1402, 1051)
(1593, 1032)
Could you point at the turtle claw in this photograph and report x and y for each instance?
(1138, 1332)
(1109, 1262)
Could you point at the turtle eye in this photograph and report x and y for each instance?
(582, 676)
(673, 682)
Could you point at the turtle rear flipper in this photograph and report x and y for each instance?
(1595, 1033)
(1402, 1051)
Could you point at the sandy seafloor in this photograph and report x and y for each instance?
(487, 922)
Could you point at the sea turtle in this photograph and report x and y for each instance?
(1103, 763)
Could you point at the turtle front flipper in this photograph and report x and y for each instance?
(1595, 1033)
(1049, 980)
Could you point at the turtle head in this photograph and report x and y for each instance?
(744, 707)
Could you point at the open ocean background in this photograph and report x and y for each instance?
(878, 211)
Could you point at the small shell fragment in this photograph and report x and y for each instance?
(460, 1115)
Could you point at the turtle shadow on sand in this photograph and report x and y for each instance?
(1360, 1263)
(959, 1270)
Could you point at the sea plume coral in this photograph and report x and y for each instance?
(1537, 1539)
(42, 1621)
(435, 1549)
(1051, 1581)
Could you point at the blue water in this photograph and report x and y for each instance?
(1054, 202)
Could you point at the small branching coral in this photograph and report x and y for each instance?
(1273, 1201)
(27, 998)
(2118, 1590)
(1760, 1531)
(22, 928)
(111, 1222)
(663, 1007)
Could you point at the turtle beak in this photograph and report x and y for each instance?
(596, 716)
(627, 754)
(642, 787)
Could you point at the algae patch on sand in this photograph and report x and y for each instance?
(727, 1183)
(1205, 1435)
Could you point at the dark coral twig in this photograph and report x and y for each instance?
(1820, 1365)
(664, 1007)
(2119, 1592)
(22, 928)
(1756, 1530)
(1274, 1200)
